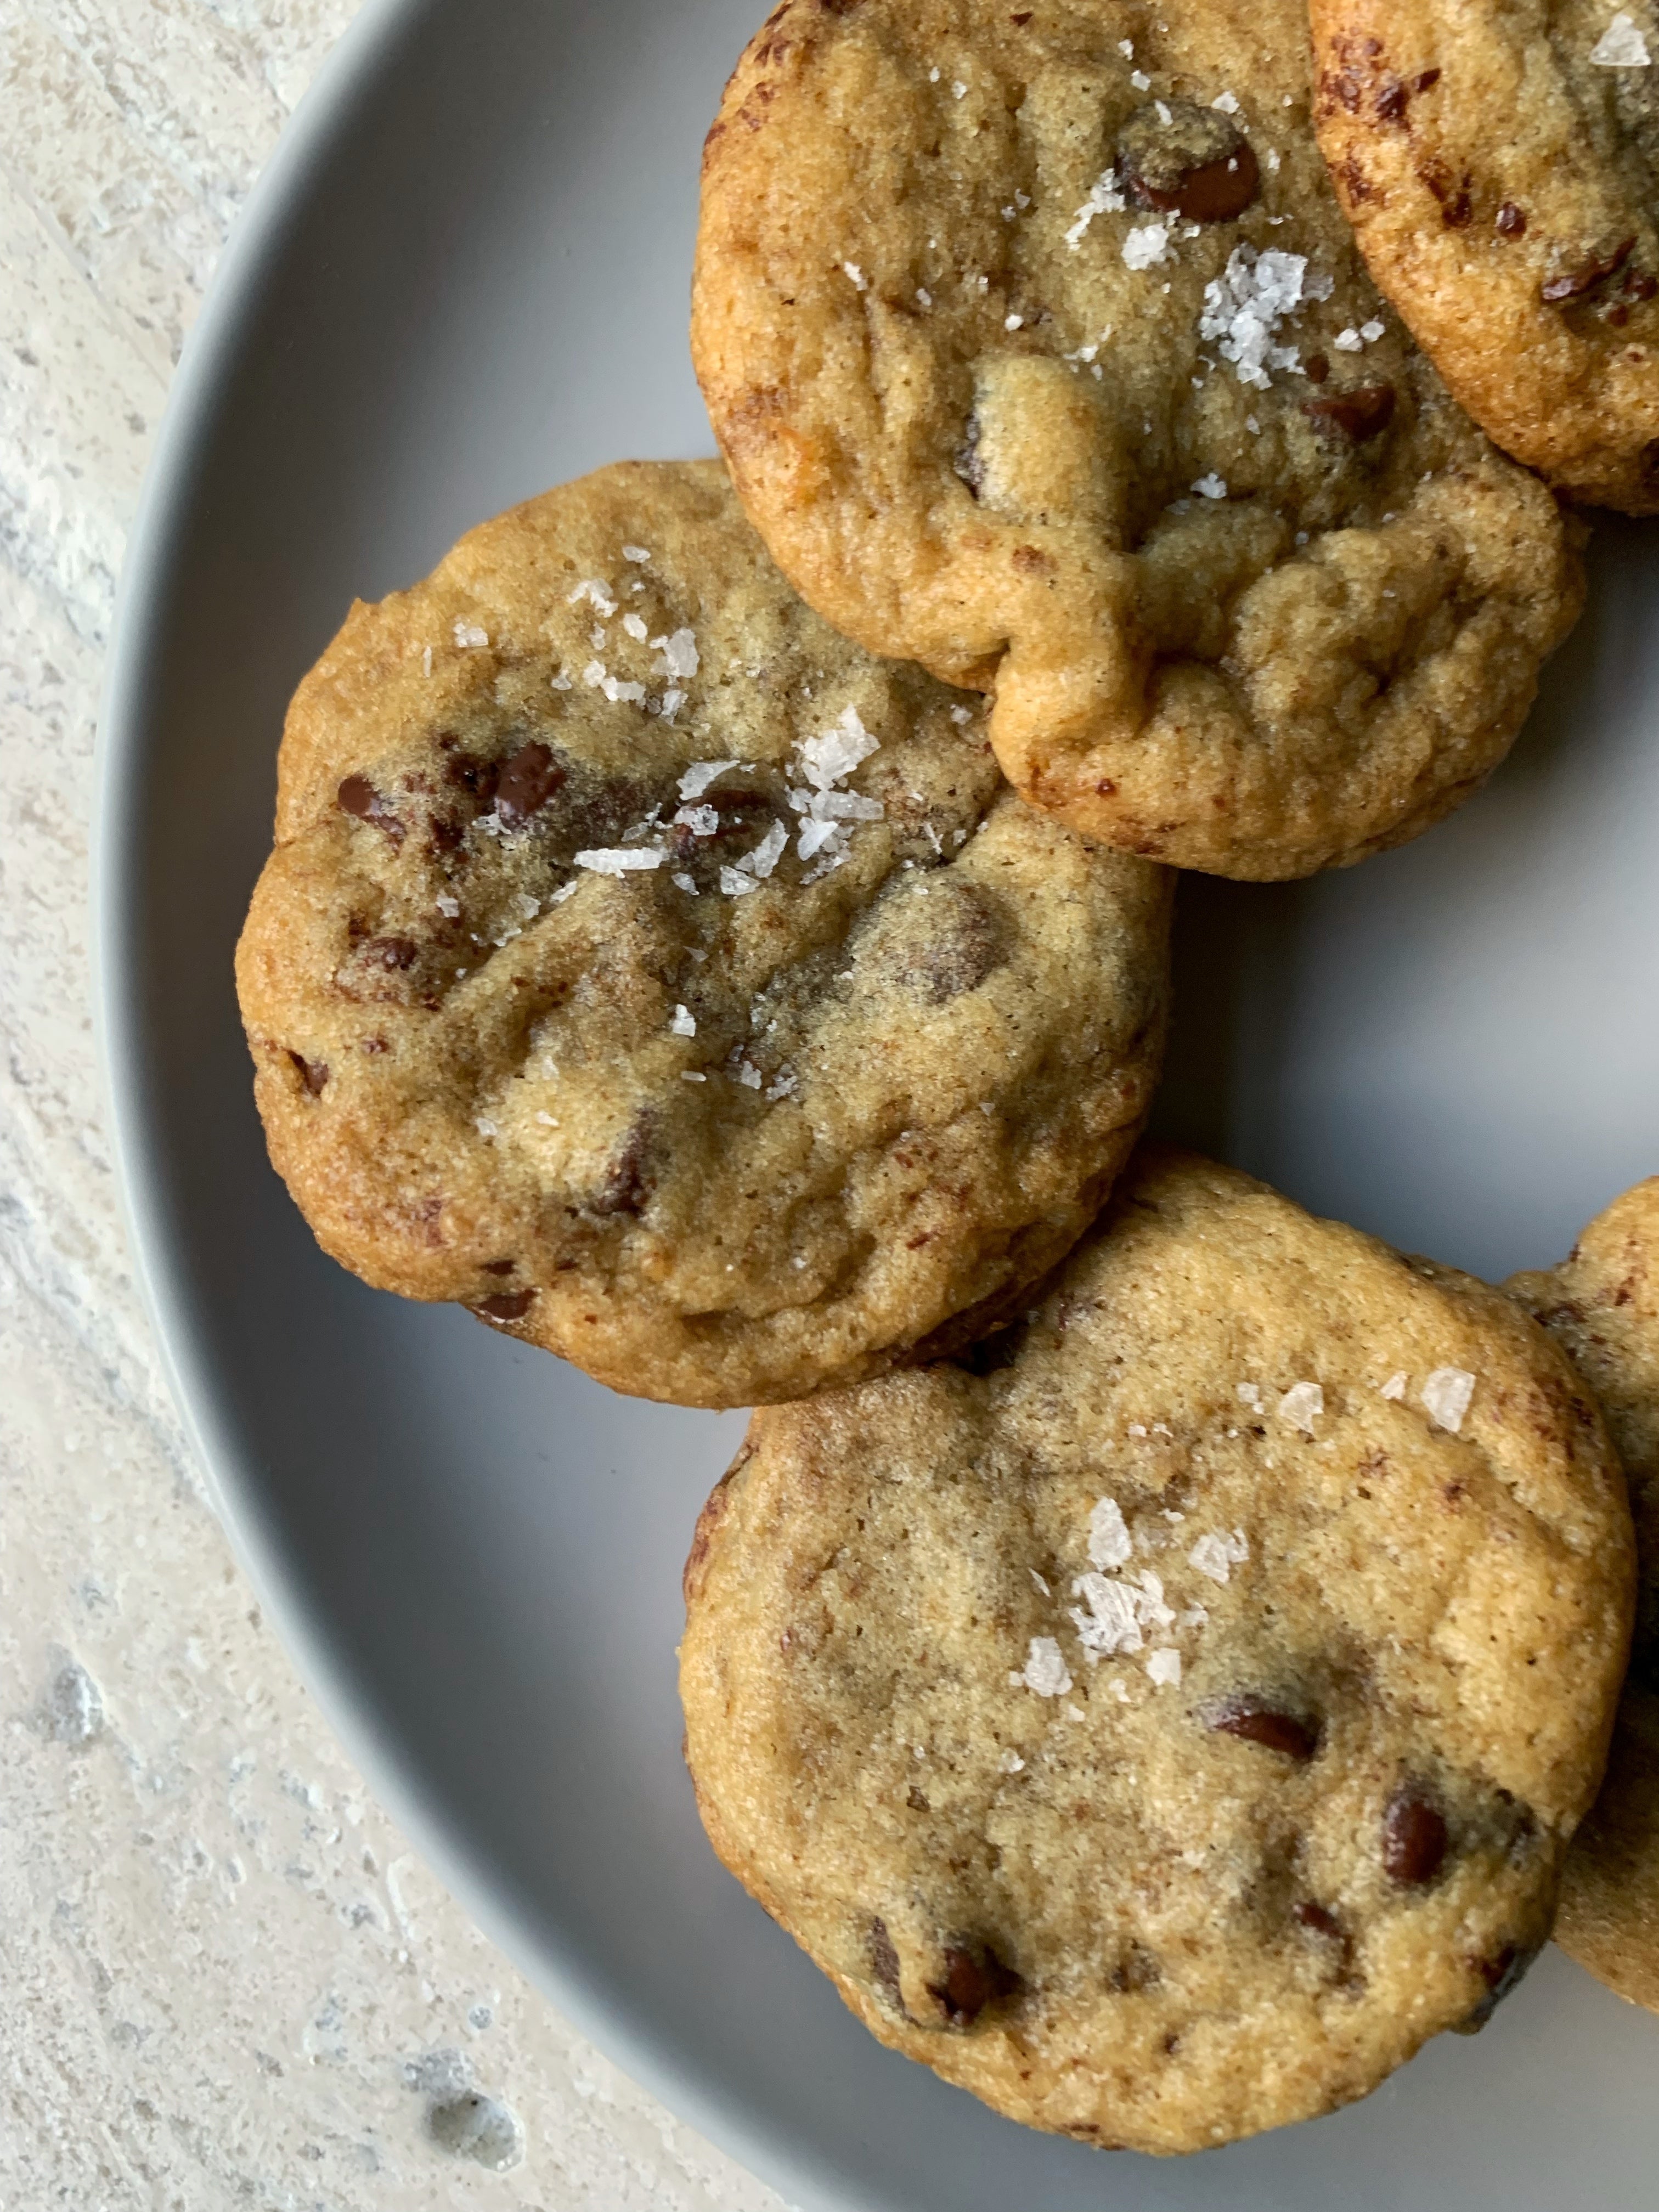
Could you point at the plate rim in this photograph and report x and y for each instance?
(122, 745)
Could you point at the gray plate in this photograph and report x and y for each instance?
(465, 278)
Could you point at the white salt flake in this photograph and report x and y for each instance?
(701, 821)
(1273, 160)
(1622, 46)
(1348, 341)
(1227, 102)
(1245, 307)
(596, 594)
(1446, 1396)
(1010, 1763)
(1196, 1616)
(685, 883)
(924, 297)
(472, 637)
(560, 682)
(1373, 330)
(565, 891)
(1045, 1670)
(593, 674)
(1126, 48)
(1212, 487)
(1110, 1543)
(1250, 1394)
(635, 625)
(785, 1087)
(1039, 1582)
(680, 658)
(486, 1127)
(700, 774)
(736, 884)
(426, 662)
(1014, 322)
(618, 859)
(685, 1024)
(855, 276)
(1164, 1667)
(748, 1074)
(1301, 1405)
(1395, 1387)
(449, 906)
(691, 1075)
(1140, 81)
(620, 693)
(671, 703)
(835, 753)
(1166, 113)
(960, 90)
(1147, 245)
(1217, 1556)
(1113, 1620)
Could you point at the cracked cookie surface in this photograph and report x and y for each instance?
(1500, 165)
(1164, 1720)
(1602, 1307)
(1042, 353)
(651, 970)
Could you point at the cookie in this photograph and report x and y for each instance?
(1500, 165)
(1040, 352)
(1602, 1306)
(1163, 1724)
(653, 971)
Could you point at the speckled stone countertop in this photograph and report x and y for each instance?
(224, 1975)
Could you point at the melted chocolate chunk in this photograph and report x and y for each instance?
(314, 1073)
(469, 772)
(1197, 164)
(506, 1306)
(884, 1962)
(1360, 415)
(1501, 1975)
(1322, 1920)
(527, 780)
(962, 940)
(1511, 221)
(391, 952)
(1318, 365)
(1254, 1720)
(1414, 1837)
(973, 1979)
(500, 1266)
(626, 1183)
(358, 797)
(1575, 283)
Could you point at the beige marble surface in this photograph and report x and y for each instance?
(225, 1977)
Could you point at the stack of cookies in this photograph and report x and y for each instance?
(1155, 1650)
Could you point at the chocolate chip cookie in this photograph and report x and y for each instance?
(1040, 352)
(1602, 1305)
(655, 973)
(1163, 1722)
(1500, 165)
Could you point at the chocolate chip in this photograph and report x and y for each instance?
(358, 797)
(973, 1979)
(1321, 1920)
(391, 952)
(1254, 1720)
(884, 1962)
(1414, 1837)
(1318, 365)
(1503, 1976)
(1511, 221)
(1360, 415)
(499, 1267)
(1574, 284)
(957, 937)
(314, 1073)
(506, 1306)
(626, 1183)
(1197, 163)
(528, 779)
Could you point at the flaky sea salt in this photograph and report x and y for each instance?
(1113, 1620)
(637, 554)
(1446, 1396)
(1140, 81)
(596, 594)
(701, 821)
(1622, 46)
(680, 658)
(472, 637)
(1348, 341)
(635, 625)
(1373, 330)
(684, 1022)
(1250, 1394)
(1227, 102)
(1164, 1667)
(700, 774)
(448, 906)
(1395, 1386)
(618, 859)
(1301, 1406)
(855, 276)
(837, 751)
(1245, 307)
(1045, 1670)
(1104, 198)
(1010, 1763)
(1109, 1544)
(1212, 487)
(1217, 1556)
(1147, 245)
